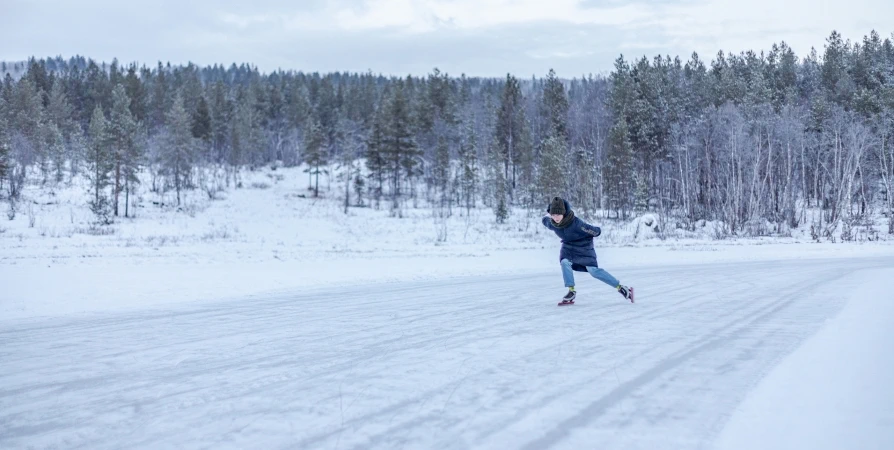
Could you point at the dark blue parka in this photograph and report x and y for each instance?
(577, 240)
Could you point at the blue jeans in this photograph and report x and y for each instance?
(599, 274)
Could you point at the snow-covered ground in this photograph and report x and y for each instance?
(272, 320)
(272, 237)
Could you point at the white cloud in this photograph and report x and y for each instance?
(478, 37)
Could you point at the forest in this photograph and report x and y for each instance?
(762, 141)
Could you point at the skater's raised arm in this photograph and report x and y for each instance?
(590, 229)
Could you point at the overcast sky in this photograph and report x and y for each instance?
(399, 37)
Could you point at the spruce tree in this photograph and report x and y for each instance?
(4, 145)
(554, 107)
(501, 211)
(59, 109)
(98, 160)
(54, 145)
(618, 169)
(511, 133)
(359, 186)
(97, 91)
(26, 119)
(77, 148)
(178, 154)
(375, 157)
(468, 168)
(160, 98)
(314, 153)
(201, 121)
(221, 113)
(349, 142)
(552, 180)
(247, 137)
(61, 114)
(441, 173)
(122, 131)
(400, 149)
(136, 91)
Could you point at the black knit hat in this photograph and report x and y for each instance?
(557, 206)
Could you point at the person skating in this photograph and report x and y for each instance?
(578, 253)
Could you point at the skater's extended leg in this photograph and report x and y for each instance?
(604, 276)
(607, 278)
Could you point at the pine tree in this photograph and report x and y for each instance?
(201, 121)
(4, 144)
(501, 211)
(179, 152)
(375, 157)
(136, 91)
(97, 91)
(314, 153)
(513, 143)
(468, 168)
(39, 77)
(54, 145)
(99, 167)
(349, 140)
(441, 173)
(554, 107)
(400, 150)
(618, 169)
(247, 135)
(59, 110)
(26, 119)
(160, 98)
(327, 111)
(122, 131)
(61, 114)
(552, 178)
(77, 149)
(221, 113)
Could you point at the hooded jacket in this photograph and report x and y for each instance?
(577, 239)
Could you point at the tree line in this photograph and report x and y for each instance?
(760, 142)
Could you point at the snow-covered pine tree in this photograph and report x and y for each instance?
(122, 131)
(99, 165)
(618, 169)
(4, 145)
(554, 107)
(314, 153)
(201, 121)
(468, 167)
(400, 149)
(501, 210)
(553, 178)
(54, 149)
(26, 118)
(440, 174)
(136, 92)
(178, 155)
(375, 157)
(60, 113)
(511, 135)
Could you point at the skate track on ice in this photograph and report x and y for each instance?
(477, 362)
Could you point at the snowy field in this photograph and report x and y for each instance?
(271, 320)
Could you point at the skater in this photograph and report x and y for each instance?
(577, 252)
